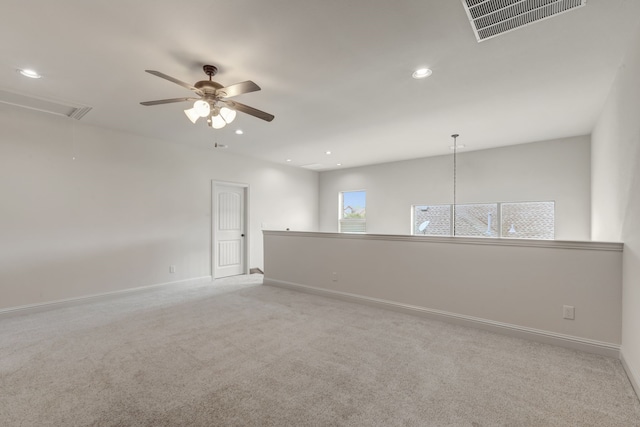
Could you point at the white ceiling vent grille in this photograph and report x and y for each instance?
(45, 105)
(490, 18)
(313, 166)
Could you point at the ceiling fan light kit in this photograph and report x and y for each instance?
(202, 108)
(214, 103)
(192, 114)
(217, 122)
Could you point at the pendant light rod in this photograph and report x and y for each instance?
(455, 148)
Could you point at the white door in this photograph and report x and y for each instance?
(228, 230)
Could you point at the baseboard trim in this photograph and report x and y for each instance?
(633, 376)
(567, 341)
(68, 302)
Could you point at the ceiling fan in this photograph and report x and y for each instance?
(213, 102)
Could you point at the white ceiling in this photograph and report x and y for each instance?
(335, 73)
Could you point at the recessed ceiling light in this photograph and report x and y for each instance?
(457, 147)
(29, 73)
(239, 132)
(328, 152)
(216, 145)
(338, 164)
(421, 73)
(288, 160)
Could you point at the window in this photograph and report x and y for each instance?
(478, 219)
(531, 220)
(353, 215)
(518, 220)
(432, 220)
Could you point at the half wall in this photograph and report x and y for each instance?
(515, 286)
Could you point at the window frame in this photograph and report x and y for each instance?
(353, 225)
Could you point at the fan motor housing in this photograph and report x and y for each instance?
(208, 86)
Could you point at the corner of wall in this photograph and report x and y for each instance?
(632, 373)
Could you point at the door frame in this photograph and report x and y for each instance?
(245, 219)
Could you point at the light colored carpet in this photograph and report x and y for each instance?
(236, 353)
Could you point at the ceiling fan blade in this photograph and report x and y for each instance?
(174, 80)
(168, 101)
(239, 89)
(249, 110)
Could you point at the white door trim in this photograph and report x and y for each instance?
(247, 236)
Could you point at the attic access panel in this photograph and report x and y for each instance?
(490, 18)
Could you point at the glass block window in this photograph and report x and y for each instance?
(434, 220)
(477, 220)
(353, 212)
(529, 220)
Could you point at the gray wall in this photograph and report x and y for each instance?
(616, 193)
(557, 170)
(124, 210)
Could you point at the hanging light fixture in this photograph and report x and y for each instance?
(192, 115)
(228, 114)
(200, 108)
(217, 122)
(217, 117)
(455, 170)
(221, 117)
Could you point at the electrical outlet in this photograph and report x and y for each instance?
(569, 312)
(172, 269)
(334, 277)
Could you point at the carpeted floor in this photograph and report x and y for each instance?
(236, 353)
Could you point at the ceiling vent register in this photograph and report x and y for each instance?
(490, 18)
(313, 166)
(45, 105)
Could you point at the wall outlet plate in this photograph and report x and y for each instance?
(569, 312)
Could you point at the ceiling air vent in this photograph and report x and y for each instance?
(45, 105)
(313, 166)
(490, 18)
